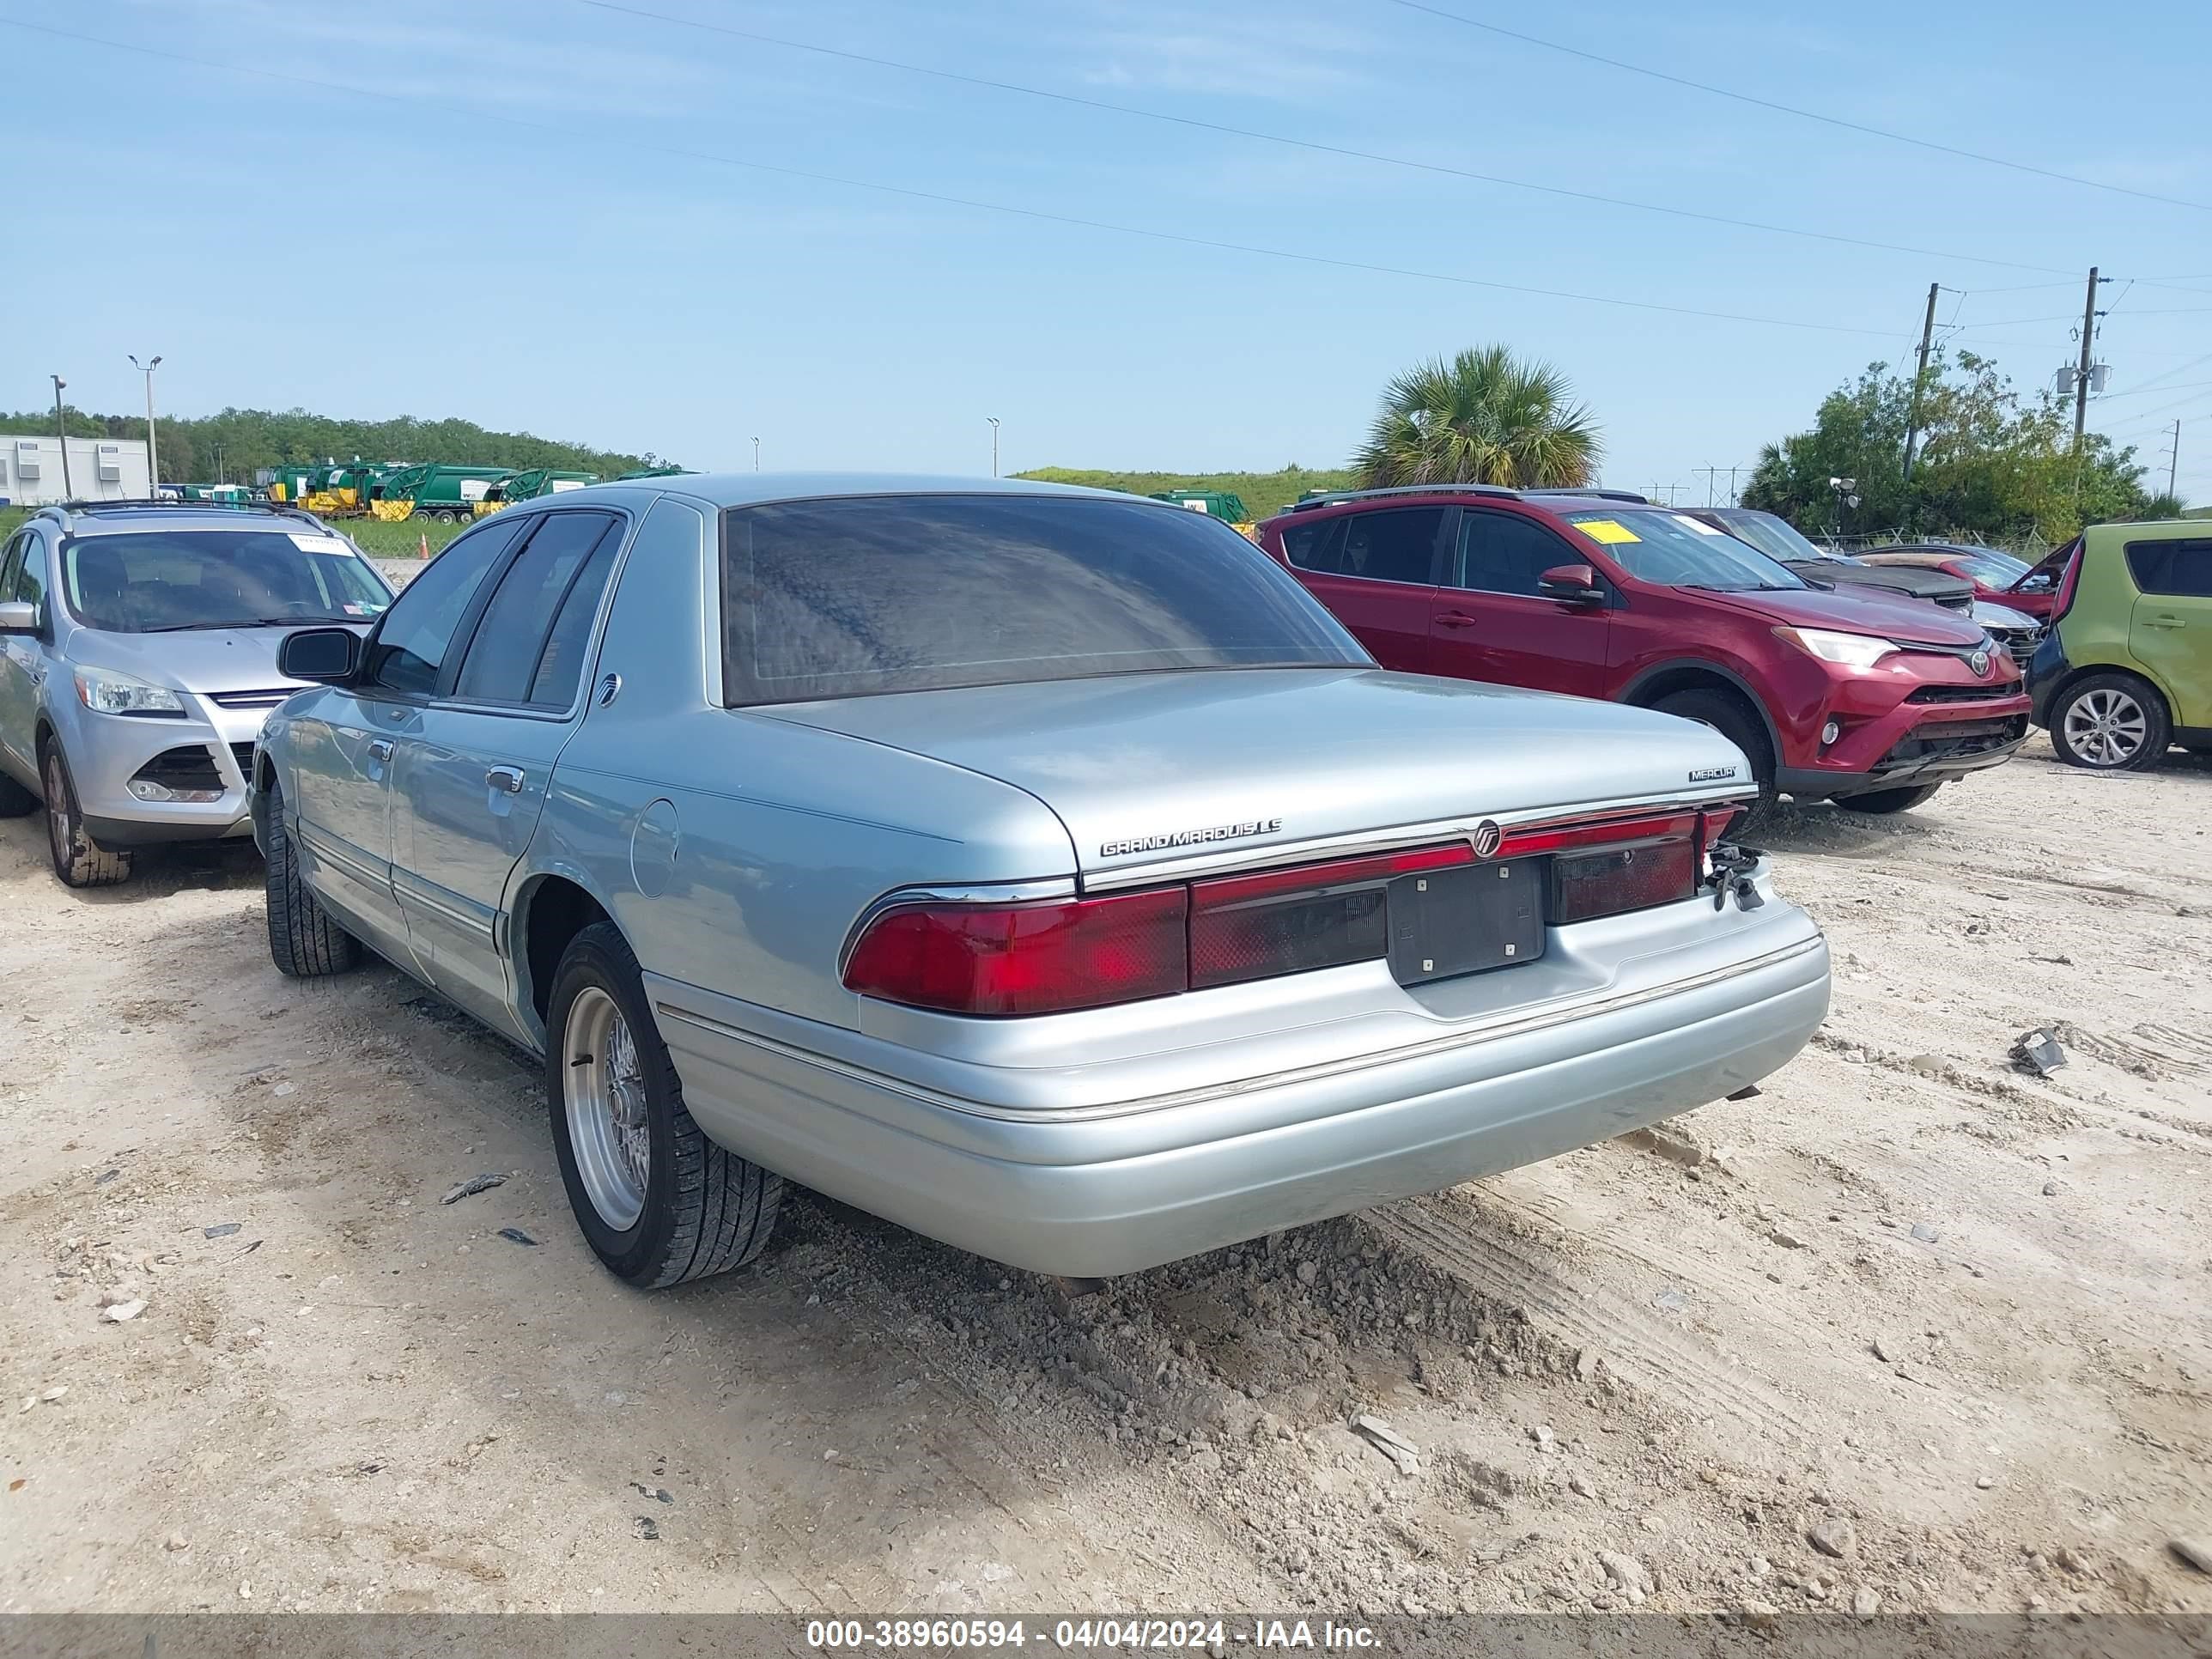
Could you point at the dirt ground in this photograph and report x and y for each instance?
(1910, 1330)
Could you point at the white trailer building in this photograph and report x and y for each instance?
(98, 470)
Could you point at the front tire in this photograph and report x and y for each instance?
(2111, 723)
(78, 861)
(1886, 801)
(658, 1201)
(1727, 716)
(303, 941)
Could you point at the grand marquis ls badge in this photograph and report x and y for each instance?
(1248, 828)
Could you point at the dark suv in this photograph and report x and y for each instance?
(1870, 699)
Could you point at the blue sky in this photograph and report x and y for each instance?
(523, 226)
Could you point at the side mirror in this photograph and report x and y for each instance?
(19, 617)
(327, 656)
(1574, 583)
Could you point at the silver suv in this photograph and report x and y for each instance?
(138, 659)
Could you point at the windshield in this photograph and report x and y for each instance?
(1676, 550)
(1775, 537)
(159, 580)
(1990, 568)
(856, 596)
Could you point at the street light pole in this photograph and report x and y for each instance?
(756, 454)
(153, 461)
(61, 431)
(993, 420)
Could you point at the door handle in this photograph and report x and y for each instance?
(380, 749)
(2166, 621)
(507, 778)
(1457, 619)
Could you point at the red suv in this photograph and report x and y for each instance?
(1871, 699)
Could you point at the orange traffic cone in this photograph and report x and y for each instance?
(425, 539)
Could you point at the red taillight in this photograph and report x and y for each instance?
(1313, 915)
(1559, 838)
(1026, 958)
(1620, 880)
(2062, 601)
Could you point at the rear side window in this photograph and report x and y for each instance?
(856, 596)
(1316, 546)
(1504, 553)
(411, 644)
(1396, 546)
(2179, 569)
(31, 577)
(528, 648)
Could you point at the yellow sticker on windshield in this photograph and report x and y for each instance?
(1610, 531)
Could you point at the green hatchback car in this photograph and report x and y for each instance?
(2125, 670)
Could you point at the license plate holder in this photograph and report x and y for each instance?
(1465, 920)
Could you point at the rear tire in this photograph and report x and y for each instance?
(78, 861)
(1885, 801)
(303, 941)
(2111, 723)
(659, 1202)
(16, 801)
(1727, 716)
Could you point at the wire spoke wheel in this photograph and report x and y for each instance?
(603, 1091)
(2106, 726)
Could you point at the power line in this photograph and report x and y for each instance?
(1792, 109)
(975, 203)
(1285, 140)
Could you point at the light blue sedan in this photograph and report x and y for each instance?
(1041, 869)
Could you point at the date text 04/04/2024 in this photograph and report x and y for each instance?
(1083, 1635)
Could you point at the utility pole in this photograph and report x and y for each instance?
(61, 431)
(1732, 494)
(2173, 459)
(993, 420)
(1920, 379)
(2081, 374)
(1712, 478)
(153, 462)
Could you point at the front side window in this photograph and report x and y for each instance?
(159, 581)
(862, 595)
(410, 647)
(1675, 550)
(1505, 553)
(529, 644)
(2046, 575)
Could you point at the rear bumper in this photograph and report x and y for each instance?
(1115, 1188)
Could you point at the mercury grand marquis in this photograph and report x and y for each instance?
(1041, 869)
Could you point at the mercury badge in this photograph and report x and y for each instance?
(1488, 835)
(1979, 662)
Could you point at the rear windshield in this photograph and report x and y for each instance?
(164, 580)
(1676, 550)
(851, 596)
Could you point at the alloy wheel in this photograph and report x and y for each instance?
(2106, 726)
(609, 1122)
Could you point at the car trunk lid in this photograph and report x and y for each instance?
(1180, 770)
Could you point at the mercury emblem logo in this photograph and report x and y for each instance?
(1487, 835)
(1979, 662)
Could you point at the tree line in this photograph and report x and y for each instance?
(1990, 464)
(233, 445)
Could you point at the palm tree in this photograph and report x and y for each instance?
(1484, 417)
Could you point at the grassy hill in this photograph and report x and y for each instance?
(1263, 493)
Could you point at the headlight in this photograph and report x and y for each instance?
(1852, 650)
(105, 692)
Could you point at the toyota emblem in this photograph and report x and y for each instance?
(1979, 662)
(1487, 835)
